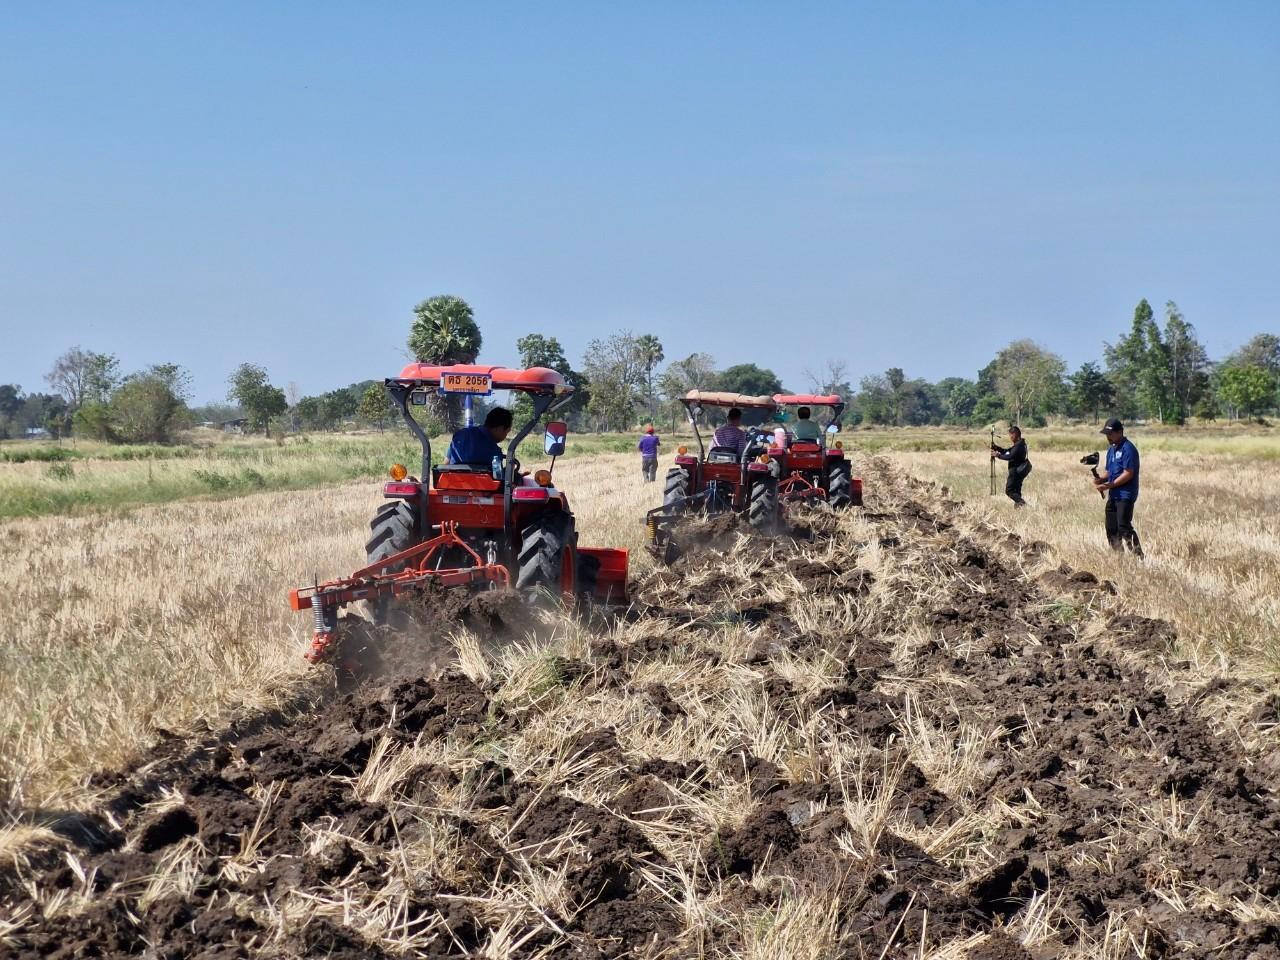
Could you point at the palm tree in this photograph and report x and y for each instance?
(649, 352)
(444, 331)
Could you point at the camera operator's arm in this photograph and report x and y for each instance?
(1104, 484)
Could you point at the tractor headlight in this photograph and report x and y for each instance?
(398, 471)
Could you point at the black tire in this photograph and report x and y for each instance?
(542, 546)
(395, 528)
(762, 506)
(840, 484)
(675, 488)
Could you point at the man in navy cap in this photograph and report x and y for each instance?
(1121, 485)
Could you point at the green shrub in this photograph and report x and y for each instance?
(93, 421)
(61, 471)
(212, 479)
(38, 455)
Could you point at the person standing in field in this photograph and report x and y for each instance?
(1019, 465)
(1121, 486)
(648, 447)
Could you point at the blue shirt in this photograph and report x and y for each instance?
(648, 446)
(1119, 459)
(473, 445)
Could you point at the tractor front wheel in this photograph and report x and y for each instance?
(762, 506)
(547, 555)
(840, 484)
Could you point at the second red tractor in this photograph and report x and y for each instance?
(814, 469)
(720, 479)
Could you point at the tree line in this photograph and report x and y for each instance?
(1152, 371)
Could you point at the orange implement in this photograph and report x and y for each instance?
(374, 581)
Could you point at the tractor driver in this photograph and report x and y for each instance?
(805, 429)
(731, 434)
(479, 445)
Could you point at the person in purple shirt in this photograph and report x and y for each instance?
(648, 447)
(732, 435)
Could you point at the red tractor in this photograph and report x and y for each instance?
(811, 463)
(476, 525)
(720, 479)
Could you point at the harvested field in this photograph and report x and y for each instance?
(892, 733)
(122, 625)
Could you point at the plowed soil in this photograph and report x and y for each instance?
(883, 734)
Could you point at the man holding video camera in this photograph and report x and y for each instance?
(1121, 486)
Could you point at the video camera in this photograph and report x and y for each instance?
(1091, 461)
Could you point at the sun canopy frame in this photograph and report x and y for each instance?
(715, 398)
(539, 380)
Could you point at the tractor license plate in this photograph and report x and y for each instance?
(477, 384)
(456, 499)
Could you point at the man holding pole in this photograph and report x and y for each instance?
(1019, 465)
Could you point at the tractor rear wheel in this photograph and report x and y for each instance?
(547, 555)
(840, 484)
(762, 506)
(395, 528)
(676, 487)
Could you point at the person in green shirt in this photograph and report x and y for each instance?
(805, 429)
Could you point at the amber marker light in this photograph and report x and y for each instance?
(542, 478)
(398, 471)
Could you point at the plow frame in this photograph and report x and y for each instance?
(797, 487)
(372, 582)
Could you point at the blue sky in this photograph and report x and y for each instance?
(891, 184)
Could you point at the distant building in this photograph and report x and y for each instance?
(36, 433)
(235, 426)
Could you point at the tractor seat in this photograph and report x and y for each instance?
(465, 476)
(722, 455)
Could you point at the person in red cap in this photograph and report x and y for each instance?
(648, 447)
